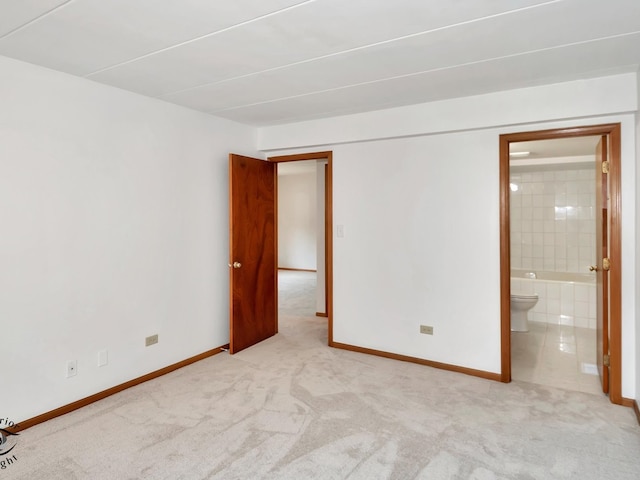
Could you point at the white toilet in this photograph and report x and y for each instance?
(520, 306)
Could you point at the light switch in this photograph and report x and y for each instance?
(103, 358)
(340, 231)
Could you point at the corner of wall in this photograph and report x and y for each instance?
(637, 193)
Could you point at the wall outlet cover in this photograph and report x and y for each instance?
(72, 368)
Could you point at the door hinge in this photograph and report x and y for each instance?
(605, 166)
(606, 360)
(606, 264)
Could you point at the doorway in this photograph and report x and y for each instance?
(324, 262)
(609, 361)
(553, 250)
(301, 238)
(253, 265)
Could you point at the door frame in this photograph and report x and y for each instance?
(615, 240)
(328, 226)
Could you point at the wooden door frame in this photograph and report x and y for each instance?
(328, 225)
(615, 240)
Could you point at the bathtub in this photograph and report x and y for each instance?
(563, 298)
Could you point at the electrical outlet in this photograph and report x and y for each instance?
(152, 340)
(426, 329)
(72, 368)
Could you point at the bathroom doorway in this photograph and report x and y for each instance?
(548, 244)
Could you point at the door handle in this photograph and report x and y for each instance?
(593, 268)
(236, 265)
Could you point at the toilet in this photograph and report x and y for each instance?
(520, 306)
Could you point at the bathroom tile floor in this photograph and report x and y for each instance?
(556, 355)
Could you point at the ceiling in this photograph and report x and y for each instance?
(265, 62)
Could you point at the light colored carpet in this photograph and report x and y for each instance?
(293, 408)
(296, 294)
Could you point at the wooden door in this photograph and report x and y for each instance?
(602, 274)
(252, 251)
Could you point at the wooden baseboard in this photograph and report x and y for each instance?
(404, 358)
(629, 402)
(321, 314)
(296, 269)
(625, 402)
(113, 390)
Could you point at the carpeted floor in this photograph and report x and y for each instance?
(293, 408)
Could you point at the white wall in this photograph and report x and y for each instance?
(421, 215)
(411, 219)
(114, 214)
(321, 274)
(297, 211)
(637, 293)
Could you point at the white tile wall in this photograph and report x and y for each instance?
(553, 219)
(560, 303)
